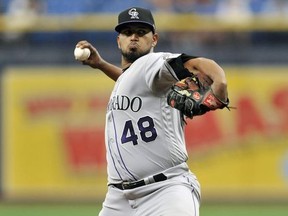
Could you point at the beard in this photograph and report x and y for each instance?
(132, 55)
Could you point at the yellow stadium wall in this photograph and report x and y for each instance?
(53, 135)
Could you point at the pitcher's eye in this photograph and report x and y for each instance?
(127, 32)
(142, 32)
(139, 32)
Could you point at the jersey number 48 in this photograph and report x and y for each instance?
(146, 129)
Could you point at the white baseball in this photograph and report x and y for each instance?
(81, 54)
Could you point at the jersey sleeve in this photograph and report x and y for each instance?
(177, 64)
(164, 71)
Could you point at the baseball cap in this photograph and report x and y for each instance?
(135, 15)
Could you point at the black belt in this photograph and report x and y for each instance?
(135, 184)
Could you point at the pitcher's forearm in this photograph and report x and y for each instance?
(109, 69)
(211, 69)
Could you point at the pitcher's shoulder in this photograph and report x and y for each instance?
(160, 56)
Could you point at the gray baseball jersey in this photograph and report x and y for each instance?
(143, 134)
(144, 137)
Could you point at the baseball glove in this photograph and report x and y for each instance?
(194, 98)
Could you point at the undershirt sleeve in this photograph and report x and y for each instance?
(178, 67)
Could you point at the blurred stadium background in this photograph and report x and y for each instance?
(52, 108)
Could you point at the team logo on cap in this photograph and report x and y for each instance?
(133, 13)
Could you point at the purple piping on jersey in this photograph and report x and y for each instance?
(119, 149)
(193, 198)
(114, 161)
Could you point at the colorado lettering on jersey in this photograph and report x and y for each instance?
(123, 102)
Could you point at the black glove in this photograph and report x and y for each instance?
(193, 98)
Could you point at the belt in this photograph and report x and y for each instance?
(135, 184)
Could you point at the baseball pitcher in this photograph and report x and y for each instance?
(153, 94)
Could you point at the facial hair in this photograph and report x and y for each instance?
(132, 55)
